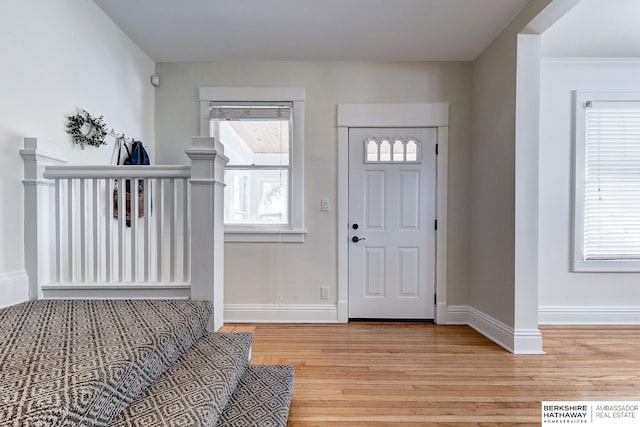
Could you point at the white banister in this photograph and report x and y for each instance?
(207, 239)
(87, 248)
(113, 172)
(74, 245)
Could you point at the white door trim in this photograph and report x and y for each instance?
(435, 114)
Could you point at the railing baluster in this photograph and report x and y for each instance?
(185, 231)
(121, 221)
(134, 229)
(94, 183)
(172, 230)
(160, 210)
(83, 245)
(108, 192)
(58, 227)
(70, 245)
(148, 190)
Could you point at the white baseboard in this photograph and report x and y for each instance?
(589, 315)
(280, 313)
(14, 288)
(492, 328)
(521, 341)
(527, 341)
(458, 315)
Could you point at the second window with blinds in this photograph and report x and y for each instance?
(607, 182)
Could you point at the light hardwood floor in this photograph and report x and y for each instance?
(381, 374)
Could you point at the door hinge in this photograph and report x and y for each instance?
(436, 149)
(435, 224)
(435, 299)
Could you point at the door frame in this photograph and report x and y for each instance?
(433, 115)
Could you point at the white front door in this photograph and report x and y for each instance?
(392, 213)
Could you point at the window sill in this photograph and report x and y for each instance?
(264, 236)
(612, 266)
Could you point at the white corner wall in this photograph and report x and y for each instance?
(566, 297)
(281, 282)
(58, 57)
(493, 174)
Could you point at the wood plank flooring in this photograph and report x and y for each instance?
(398, 374)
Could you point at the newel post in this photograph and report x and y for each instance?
(39, 222)
(207, 224)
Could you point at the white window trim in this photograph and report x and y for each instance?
(294, 232)
(579, 263)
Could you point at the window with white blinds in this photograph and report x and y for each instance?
(257, 141)
(262, 130)
(607, 183)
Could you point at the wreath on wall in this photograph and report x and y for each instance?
(86, 129)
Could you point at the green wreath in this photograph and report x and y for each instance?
(87, 130)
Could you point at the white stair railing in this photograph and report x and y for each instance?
(80, 242)
(103, 238)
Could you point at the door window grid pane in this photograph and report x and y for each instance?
(391, 150)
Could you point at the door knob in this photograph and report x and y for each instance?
(355, 226)
(356, 239)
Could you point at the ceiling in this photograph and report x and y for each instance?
(393, 30)
(596, 28)
(263, 136)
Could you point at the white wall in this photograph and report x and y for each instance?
(57, 57)
(596, 28)
(293, 273)
(559, 288)
(492, 237)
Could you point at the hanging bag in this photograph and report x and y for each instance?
(136, 156)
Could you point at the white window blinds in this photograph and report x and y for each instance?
(612, 181)
(251, 111)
